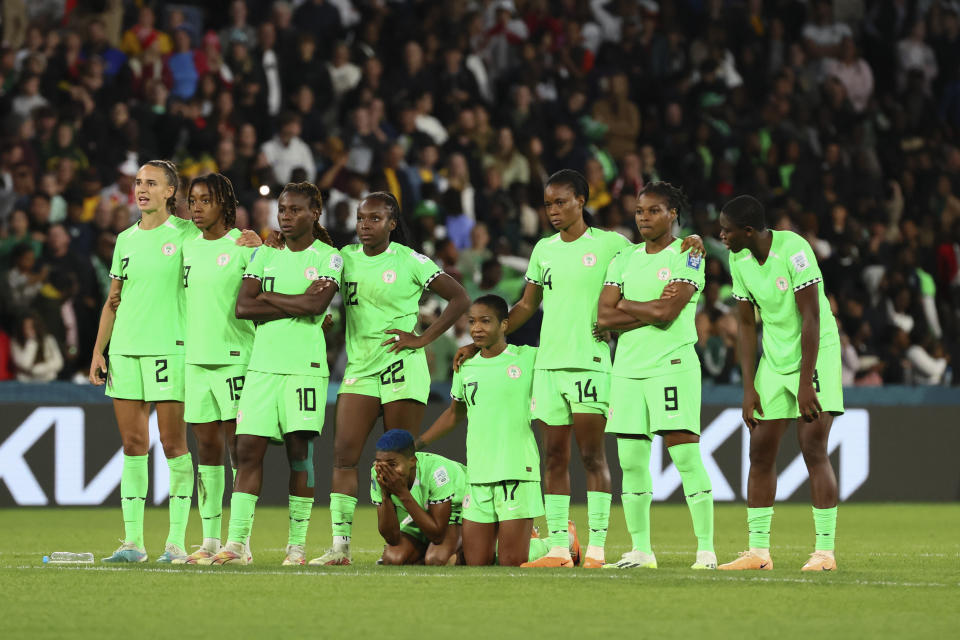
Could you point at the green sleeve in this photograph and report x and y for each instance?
(116, 265)
(332, 268)
(375, 496)
(614, 276)
(456, 387)
(739, 289)
(534, 274)
(689, 268)
(424, 269)
(443, 484)
(802, 264)
(255, 266)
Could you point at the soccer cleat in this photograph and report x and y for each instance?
(705, 560)
(820, 561)
(574, 542)
(332, 558)
(128, 552)
(748, 561)
(194, 558)
(295, 556)
(549, 562)
(591, 563)
(230, 553)
(171, 553)
(634, 560)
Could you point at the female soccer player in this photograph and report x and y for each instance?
(421, 520)
(383, 280)
(285, 391)
(493, 393)
(218, 343)
(655, 383)
(146, 335)
(776, 274)
(572, 370)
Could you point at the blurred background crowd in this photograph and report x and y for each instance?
(842, 117)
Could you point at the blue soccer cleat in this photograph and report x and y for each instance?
(128, 552)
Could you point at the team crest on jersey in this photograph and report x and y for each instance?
(169, 249)
(589, 259)
(336, 262)
(782, 284)
(223, 259)
(441, 477)
(389, 276)
(310, 273)
(664, 274)
(513, 371)
(694, 260)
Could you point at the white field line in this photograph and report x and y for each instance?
(605, 575)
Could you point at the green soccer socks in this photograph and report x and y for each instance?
(300, 509)
(758, 525)
(697, 489)
(242, 506)
(598, 518)
(342, 507)
(557, 509)
(825, 525)
(181, 492)
(133, 496)
(539, 547)
(210, 483)
(634, 454)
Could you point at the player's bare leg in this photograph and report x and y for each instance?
(408, 551)
(480, 543)
(761, 492)
(403, 414)
(588, 429)
(813, 437)
(439, 555)
(299, 446)
(513, 542)
(132, 421)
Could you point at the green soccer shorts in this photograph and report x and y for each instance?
(409, 527)
(147, 378)
(212, 392)
(646, 406)
(560, 393)
(778, 391)
(504, 500)
(408, 378)
(274, 404)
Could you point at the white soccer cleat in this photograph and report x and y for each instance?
(705, 560)
(333, 557)
(634, 560)
(295, 556)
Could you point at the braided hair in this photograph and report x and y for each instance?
(310, 190)
(400, 234)
(675, 197)
(577, 183)
(222, 191)
(170, 173)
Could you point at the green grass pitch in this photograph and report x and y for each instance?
(899, 576)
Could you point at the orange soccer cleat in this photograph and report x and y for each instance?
(820, 561)
(749, 561)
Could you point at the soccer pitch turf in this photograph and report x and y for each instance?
(899, 576)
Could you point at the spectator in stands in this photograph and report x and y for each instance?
(35, 352)
(143, 35)
(286, 152)
(620, 116)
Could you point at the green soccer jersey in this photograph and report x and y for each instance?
(500, 443)
(655, 350)
(292, 345)
(380, 292)
(212, 273)
(438, 480)
(150, 320)
(771, 286)
(571, 275)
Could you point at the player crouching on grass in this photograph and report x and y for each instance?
(650, 294)
(421, 520)
(492, 390)
(775, 274)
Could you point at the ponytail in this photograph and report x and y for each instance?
(173, 179)
(310, 190)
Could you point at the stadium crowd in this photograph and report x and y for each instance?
(843, 118)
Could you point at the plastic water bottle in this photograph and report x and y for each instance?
(66, 557)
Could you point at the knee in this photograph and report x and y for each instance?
(814, 449)
(209, 452)
(392, 556)
(557, 456)
(762, 458)
(346, 454)
(594, 460)
(136, 444)
(173, 445)
(436, 557)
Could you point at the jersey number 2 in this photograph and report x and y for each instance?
(161, 367)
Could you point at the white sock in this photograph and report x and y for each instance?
(341, 543)
(762, 552)
(559, 552)
(595, 552)
(212, 545)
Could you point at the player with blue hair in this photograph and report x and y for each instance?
(421, 520)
